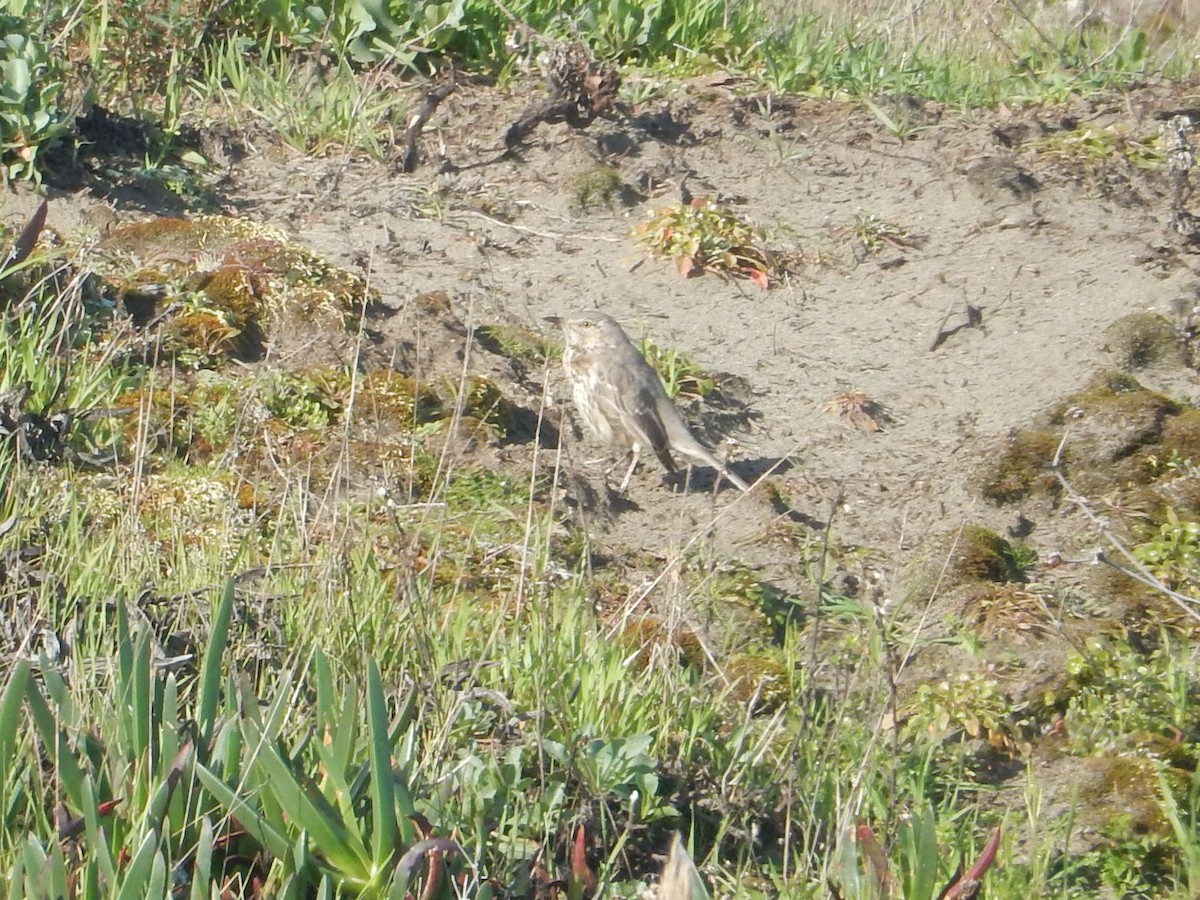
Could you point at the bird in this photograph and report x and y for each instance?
(621, 400)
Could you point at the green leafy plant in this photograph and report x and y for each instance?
(972, 703)
(1173, 557)
(873, 234)
(1092, 146)
(301, 401)
(356, 826)
(703, 236)
(30, 83)
(680, 376)
(126, 813)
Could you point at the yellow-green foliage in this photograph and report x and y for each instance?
(518, 343)
(973, 703)
(389, 398)
(703, 236)
(310, 398)
(758, 680)
(1092, 146)
(193, 418)
(480, 400)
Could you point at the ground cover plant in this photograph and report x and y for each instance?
(312, 590)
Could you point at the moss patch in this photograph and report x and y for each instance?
(1142, 340)
(217, 284)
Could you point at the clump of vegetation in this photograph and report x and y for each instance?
(759, 682)
(1173, 555)
(480, 399)
(386, 397)
(969, 559)
(703, 236)
(601, 186)
(872, 234)
(33, 78)
(680, 375)
(1142, 340)
(1092, 146)
(246, 273)
(520, 344)
(973, 704)
(305, 399)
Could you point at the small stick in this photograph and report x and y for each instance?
(416, 122)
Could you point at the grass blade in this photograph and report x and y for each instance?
(383, 795)
(211, 674)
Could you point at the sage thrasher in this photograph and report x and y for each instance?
(620, 398)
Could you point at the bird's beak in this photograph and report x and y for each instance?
(553, 320)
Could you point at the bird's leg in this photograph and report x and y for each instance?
(636, 452)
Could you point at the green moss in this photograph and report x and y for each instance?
(386, 397)
(1123, 793)
(598, 186)
(972, 555)
(1023, 467)
(480, 400)
(982, 555)
(1142, 340)
(758, 680)
(233, 277)
(1181, 437)
(1119, 397)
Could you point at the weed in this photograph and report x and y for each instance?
(1093, 146)
(1173, 557)
(679, 374)
(303, 400)
(30, 122)
(702, 236)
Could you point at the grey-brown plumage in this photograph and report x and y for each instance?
(620, 398)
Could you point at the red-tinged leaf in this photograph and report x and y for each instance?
(687, 266)
(582, 878)
(28, 238)
(876, 860)
(108, 806)
(122, 857)
(967, 887)
(434, 874)
(758, 276)
(698, 202)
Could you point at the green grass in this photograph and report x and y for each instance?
(319, 75)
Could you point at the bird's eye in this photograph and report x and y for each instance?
(586, 324)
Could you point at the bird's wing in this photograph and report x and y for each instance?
(631, 398)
